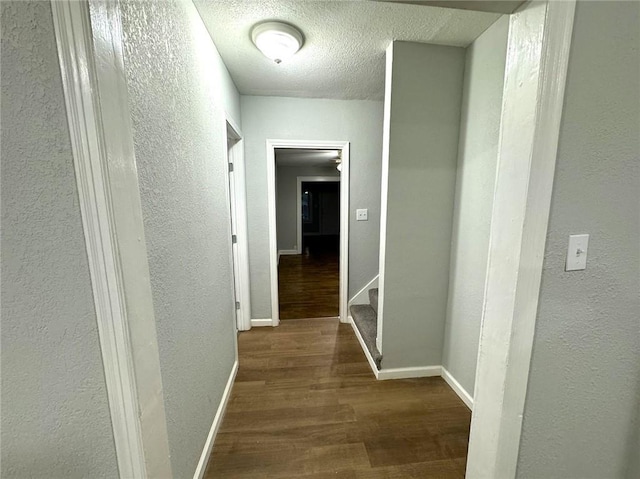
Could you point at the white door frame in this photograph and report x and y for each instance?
(299, 181)
(90, 52)
(344, 218)
(536, 69)
(238, 202)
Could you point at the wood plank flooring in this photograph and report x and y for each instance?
(309, 286)
(306, 405)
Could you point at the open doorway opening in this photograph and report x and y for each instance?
(308, 212)
(309, 279)
(308, 206)
(318, 214)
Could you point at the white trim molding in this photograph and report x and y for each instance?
(299, 181)
(102, 142)
(384, 191)
(394, 373)
(365, 350)
(537, 58)
(344, 218)
(259, 323)
(287, 252)
(234, 126)
(362, 296)
(236, 191)
(412, 372)
(215, 426)
(457, 388)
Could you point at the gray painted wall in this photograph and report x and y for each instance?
(425, 107)
(226, 94)
(286, 205)
(633, 466)
(584, 382)
(357, 121)
(477, 162)
(177, 101)
(55, 416)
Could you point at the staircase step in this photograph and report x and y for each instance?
(373, 299)
(366, 321)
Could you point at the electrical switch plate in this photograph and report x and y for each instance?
(362, 215)
(577, 252)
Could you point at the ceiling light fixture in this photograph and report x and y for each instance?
(276, 40)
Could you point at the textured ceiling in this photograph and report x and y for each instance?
(345, 41)
(496, 6)
(306, 157)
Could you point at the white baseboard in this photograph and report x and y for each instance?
(398, 373)
(458, 389)
(372, 363)
(413, 372)
(217, 420)
(406, 373)
(287, 251)
(362, 296)
(258, 323)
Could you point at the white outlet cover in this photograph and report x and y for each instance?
(362, 214)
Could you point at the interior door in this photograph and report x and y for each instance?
(234, 233)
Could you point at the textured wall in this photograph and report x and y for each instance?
(633, 466)
(426, 96)
(179, 133)
(584, 382)
(55, 416)
(287, 211)
(357, 121)
(477, 161)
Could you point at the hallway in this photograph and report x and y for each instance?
(305, 404)
(309, 286)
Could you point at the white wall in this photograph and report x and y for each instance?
(55, 416)
(226, 93)
(424, 124)
(476, 175)
(177, 95)
(584, 382)
(286, 205)
(357, 121)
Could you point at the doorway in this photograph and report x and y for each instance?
(239, 243)
(308, 228)
(318, 214)
(309, 279)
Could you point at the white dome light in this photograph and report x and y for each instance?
(276, 40)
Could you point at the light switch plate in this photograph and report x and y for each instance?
(577, 252)
(362, 215)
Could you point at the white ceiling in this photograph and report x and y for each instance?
(306, 157)
(497, 6)
(345, 41)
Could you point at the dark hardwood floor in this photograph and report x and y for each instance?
(309, 285)
(306, 405)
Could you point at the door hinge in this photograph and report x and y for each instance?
(237, 304)
(230, 167)
(234, 239)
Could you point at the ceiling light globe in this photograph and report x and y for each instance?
(276, 40)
